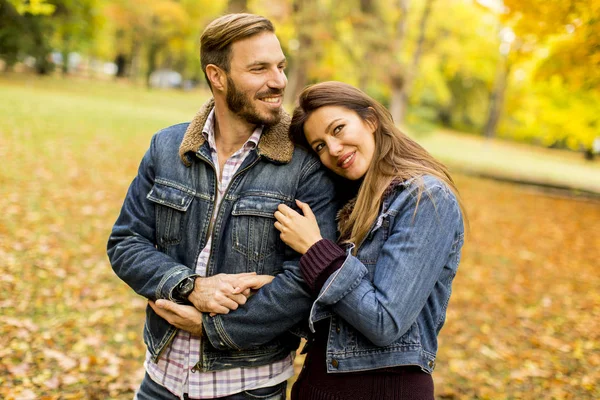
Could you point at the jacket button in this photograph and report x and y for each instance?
(431, 364)
(334, 363)
(337, 329)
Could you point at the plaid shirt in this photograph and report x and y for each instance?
(174, 367)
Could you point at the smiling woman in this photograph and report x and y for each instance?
(382, 291)
(344, 142)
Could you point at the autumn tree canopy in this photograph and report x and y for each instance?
(520, 69)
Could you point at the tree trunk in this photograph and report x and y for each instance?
(120, 62)
(135, 59)
(153, 50)
(66, 45)
(497, 97)
(41, 49)
(370, 23)
(298, 76)
(422, 29)
(400, 96)
(397, 73)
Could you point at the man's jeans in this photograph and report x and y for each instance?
(150, 390)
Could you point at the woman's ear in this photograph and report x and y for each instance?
(216, 76)
(372, 119)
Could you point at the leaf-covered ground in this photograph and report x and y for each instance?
(522, 323)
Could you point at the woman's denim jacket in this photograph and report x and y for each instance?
(165, 222)
(388, 303)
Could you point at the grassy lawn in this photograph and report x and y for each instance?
(521, 323)
(513, 161)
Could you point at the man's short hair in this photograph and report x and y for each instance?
(220, 34)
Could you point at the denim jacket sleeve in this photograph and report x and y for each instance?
(131, 246)
(286, 301)
(410, 261)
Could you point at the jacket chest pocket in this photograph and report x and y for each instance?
(254, 234)
(171, 203)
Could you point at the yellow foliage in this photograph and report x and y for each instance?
(551, 114)
(35, 7)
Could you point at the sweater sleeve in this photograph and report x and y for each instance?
(320, 261)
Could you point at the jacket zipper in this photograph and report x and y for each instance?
(166, 345)
(198, 366)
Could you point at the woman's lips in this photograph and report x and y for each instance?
(346, 160)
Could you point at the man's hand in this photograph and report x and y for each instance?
(183, 317)
(220, 293)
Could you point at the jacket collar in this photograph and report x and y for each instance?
(274, 144)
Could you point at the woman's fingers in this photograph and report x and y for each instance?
(279, 216)
(306, 210)
(286, 211)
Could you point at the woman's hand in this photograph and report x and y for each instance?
(297, 231)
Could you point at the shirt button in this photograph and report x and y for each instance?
(334, 363)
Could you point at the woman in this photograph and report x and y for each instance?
(382, 290)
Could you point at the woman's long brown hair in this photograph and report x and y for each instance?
(397, 156)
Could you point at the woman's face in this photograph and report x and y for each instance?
(344, 142)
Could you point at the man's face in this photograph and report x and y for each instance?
(256, 79)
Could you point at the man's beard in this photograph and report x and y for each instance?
(239, 103)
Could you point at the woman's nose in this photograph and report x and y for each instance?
(335, 147)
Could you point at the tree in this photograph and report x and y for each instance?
(575, 54)
(22, 28)
(402, 76)
(500, 84)
(73, 24)
(568, 32)
(304, 24)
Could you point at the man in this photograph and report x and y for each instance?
(197, 225)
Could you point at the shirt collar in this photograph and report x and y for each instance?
(208, 131)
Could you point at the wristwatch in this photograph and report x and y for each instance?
(185, 287)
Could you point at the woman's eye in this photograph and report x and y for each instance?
(319, 147)
(337, 129)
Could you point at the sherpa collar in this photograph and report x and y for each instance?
(274, 143)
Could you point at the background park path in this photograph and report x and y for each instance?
(516, 162)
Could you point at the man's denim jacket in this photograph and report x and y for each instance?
(388, 303)
(165, 222)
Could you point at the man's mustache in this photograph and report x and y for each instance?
(269, 93)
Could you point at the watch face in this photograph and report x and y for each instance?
(187, 286)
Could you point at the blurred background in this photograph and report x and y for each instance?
(507, 93)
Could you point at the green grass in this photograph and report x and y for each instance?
(513, 161)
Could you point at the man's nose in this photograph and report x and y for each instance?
(278, 80)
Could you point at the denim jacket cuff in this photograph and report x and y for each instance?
(339, 284)
(343, 281)
(171, 280)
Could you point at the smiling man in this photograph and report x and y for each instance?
(196, 233)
